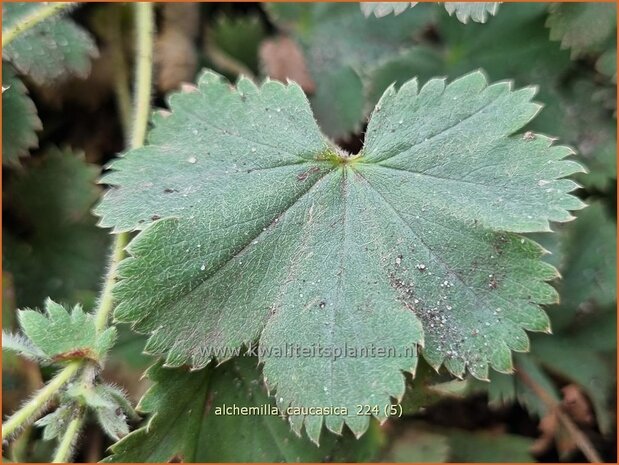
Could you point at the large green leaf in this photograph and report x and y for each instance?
(476, 11)
(18, 130)
(256, 227)
(53, 49)
(193, 419)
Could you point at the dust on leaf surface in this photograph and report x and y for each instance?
(254, 227)
(53, 49)
(20, 129)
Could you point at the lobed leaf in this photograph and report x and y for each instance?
(20, 129)
(49, 51)
(55, 423)
(255, 227)
(61, 335)
(582, 27)
(22, 346)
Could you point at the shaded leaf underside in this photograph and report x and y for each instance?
(255, 227)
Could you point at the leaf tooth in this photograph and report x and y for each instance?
(433, 88)
(473, 82)
(358, 425)
(186, 88)
(335, 424)
(517, 340)
(479, 370)
(246, 86)
(209, 77)
(157, 343)
(296, 423)
(270, 85)
(455, 366)
(533, 318)
(410, 88)
(501, 358)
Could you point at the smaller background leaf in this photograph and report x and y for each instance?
(18, 130)
(51, 50)
(582, 27)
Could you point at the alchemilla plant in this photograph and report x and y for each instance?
(313, 247)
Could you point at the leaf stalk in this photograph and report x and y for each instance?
(34, 406)
(66, 447)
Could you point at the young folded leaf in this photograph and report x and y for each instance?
(60, 335)
(254, 226)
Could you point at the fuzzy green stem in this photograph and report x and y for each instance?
(144, 24)
(25, 415)
(31, 20)
(106, 301)
(66, 446)
(35, 405)
(144, 17)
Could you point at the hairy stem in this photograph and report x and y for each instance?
(34, 406)
(106, 301)
(65, 449)
(144, 17)
(32, 20)
(25, 415)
